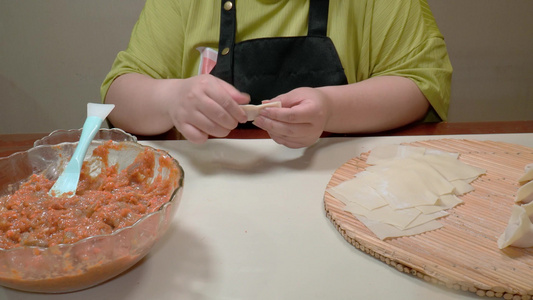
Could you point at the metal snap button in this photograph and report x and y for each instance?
(228, 5)
(225, 51)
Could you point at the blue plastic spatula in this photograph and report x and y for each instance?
(68, 180)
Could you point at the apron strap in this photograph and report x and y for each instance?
(226, 43)
(318, 17)
(317, 26)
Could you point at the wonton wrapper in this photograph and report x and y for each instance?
(367, 197)
(390, 152)
(405, 189)
(384, 231)
(252, 111)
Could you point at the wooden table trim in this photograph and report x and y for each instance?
(11, 143)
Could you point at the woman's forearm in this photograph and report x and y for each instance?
(373, 105)
(140, 110)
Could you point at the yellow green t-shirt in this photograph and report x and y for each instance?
(372, 38)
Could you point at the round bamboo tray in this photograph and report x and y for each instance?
(463, 254)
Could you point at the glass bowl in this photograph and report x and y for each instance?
(64, 268)
(73, 136)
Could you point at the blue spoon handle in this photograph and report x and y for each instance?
(90, 128)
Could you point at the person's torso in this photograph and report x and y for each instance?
(267, 67)
(261, 19)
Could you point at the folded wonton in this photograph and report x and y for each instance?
(528, 176)
(519, 231)
(525, 193)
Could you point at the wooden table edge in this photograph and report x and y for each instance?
(11, 143)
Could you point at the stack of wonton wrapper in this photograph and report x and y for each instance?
(519, 231)
(406, 189)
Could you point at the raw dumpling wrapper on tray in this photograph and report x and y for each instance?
(406, 189)
(519, 230)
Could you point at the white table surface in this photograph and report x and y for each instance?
(252, 225)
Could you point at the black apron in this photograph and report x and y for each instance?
(267, 67)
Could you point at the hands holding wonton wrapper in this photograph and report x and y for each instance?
(253, 111)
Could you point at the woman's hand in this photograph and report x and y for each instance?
(198, 107)
(373, 105)
(300, 121)
(203, 106)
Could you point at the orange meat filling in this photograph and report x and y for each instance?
(101, 205)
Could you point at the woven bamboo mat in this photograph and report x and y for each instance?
(463, 254)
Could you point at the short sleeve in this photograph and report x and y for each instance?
(155, 47)
(405, 41)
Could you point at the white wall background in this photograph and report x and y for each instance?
(54, 55)
(490, 43)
